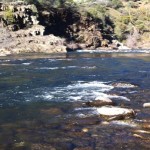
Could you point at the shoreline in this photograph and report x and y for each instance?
(18, 52)
(54, 50)
(83, 53)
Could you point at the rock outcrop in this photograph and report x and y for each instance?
(100, 102)
(112, 112)
(21, 31)
(39, 44)
(146, 105)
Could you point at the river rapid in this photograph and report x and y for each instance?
(43, 101)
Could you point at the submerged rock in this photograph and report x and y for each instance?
(125, 123)
(86, 121)
(115, 112)
(145, 125)
(39, 146)
(85, 130)
(100, 101)
(124, 85)
(52, 111)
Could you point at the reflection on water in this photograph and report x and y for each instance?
(42, 101)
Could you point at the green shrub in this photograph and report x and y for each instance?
(97, 11)
(115, 4)
(8, 15)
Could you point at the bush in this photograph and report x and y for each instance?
(115, 4)
(8, 15)
(97, 11)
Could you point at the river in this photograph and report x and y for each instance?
(43, 101)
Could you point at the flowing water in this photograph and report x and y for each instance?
(42, 101)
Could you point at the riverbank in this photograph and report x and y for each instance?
(37, 28)
(12, 43)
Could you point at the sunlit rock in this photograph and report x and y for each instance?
(146, 105)
(85, 130)
(142, 131)
(115, 112)
(100, 101)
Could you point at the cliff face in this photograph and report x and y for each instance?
(22, 32)
(76, 27)
(92, 25)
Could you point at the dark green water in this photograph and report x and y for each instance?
(42, 101)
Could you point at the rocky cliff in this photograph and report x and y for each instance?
(21, 31)
(94, 25)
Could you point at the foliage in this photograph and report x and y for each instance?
(115, 4)
(34, 9)
(8, 15)
(126, 15)
(97, 11)
(129, 17)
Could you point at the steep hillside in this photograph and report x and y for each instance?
(132, 22)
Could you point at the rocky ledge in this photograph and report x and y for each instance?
(21, 42)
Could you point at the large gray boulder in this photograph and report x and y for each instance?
(115, 112)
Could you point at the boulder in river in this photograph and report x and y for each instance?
(115, 113)
(100, 101)
(146, 105)
(123, 85)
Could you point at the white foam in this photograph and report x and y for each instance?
(48, 68)
(46, 96)
(100, 95)
(75, 98)
(6, 60)
(119, 97)
(52, 60)
(86, 114)
(92, 85)
(83, 108)
(132, 92)
(69, 67)
(124, 85)
(144, 71)
(55, 68)
(28, 100)
(81, 115)
(80, 91)
(26, 64)
(88, 67)
(76, 91)
(116, 51)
